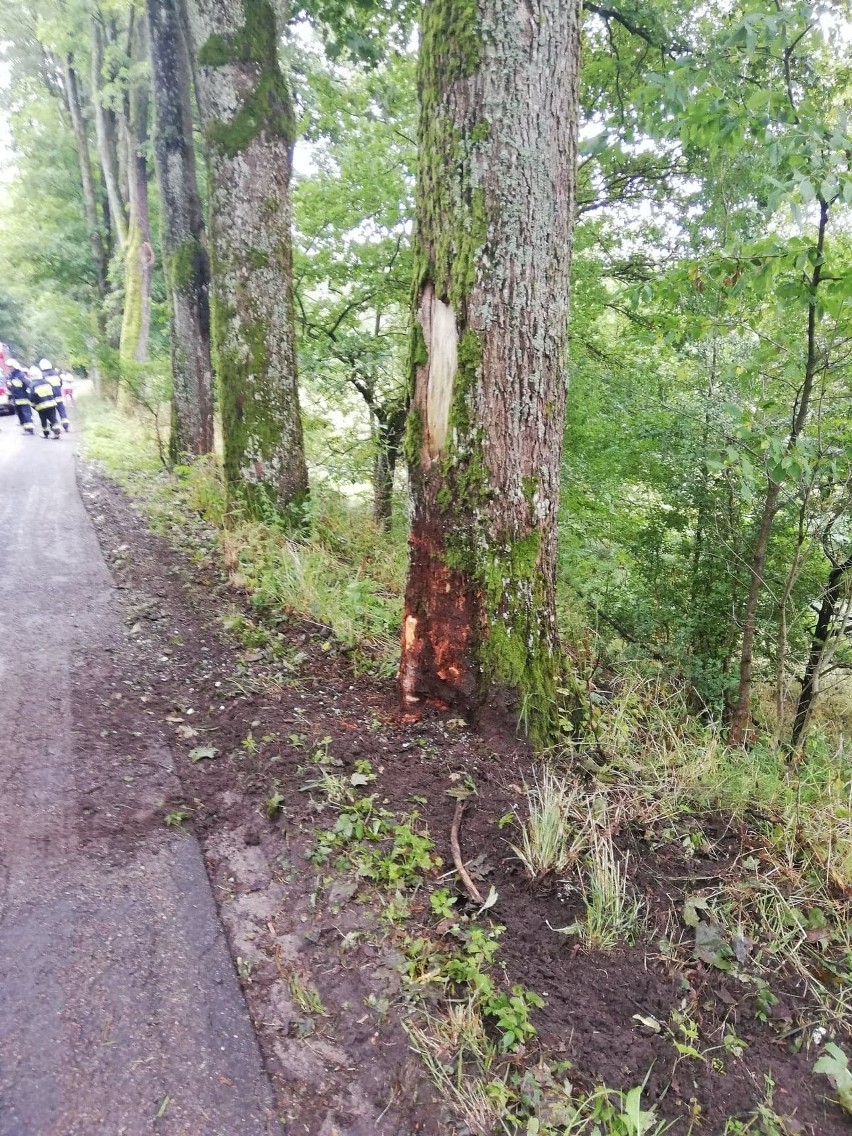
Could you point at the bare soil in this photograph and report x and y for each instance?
(342, 1064)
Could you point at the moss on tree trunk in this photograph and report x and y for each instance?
(249, 132)
(138, 252)
(497, 144)
(183, 236)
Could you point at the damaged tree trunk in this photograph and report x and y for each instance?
(182, 226)
(249, 132)
(497, 148)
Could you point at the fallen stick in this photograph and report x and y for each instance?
(469, 885)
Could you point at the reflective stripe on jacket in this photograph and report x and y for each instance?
(20, 390)
(42, 394)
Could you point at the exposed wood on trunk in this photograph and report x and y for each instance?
(741, 710)
(497, 144)
(183, 236)
(90, 201)
(249, 132)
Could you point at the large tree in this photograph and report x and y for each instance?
(497, 142)
(184, 240)
(249, 131)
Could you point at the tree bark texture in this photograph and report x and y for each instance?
(249, 132)
(107, 135)
(497, 150)
(183, 236)
(90, 201)
(825, 623)
(741, 711)
(390, 428)
(138, 251)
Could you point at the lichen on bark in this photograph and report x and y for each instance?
(249, 132)
(497, 141)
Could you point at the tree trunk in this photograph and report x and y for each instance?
(497, 146)
(824, 624)
(182, 226)
(106, 129)
(90, 201)
(741, 711)
(389, 432)
(249, 132)
(138, 251)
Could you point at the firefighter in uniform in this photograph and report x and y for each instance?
(19, 391)
(55, 380)
(45, 404)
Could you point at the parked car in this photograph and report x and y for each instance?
(6, 406)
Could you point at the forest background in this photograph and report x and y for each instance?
(253, 327)
(706, 476)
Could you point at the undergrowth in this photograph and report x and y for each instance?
(641, 774)
(345, 575)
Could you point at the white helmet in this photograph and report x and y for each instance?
(45, 364)
(34, 373)
(13, 364)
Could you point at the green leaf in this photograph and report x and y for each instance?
(835, 1065)
(692, 905)
(202, 753)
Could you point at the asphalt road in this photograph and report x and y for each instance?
(120, 1011)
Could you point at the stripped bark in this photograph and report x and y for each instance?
(497, 150)
(249, 133)
(183, 235)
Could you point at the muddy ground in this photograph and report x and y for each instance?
(319, 970)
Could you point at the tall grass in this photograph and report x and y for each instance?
(345, 574)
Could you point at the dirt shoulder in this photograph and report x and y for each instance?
(262, 715)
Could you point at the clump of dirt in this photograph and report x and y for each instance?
(254, 725)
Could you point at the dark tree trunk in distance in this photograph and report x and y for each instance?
(825, 622)
(497, 146)
(741, 710)
(390, 428)
(182, 226)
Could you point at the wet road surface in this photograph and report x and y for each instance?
(120, 1011)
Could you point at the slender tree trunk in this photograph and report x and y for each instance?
(90, 201)
(741, 711)
(497, 145)
(389, 433)
(825, 622)
(249, 131)
(106, 130)
(138, 251)
(182, 226)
